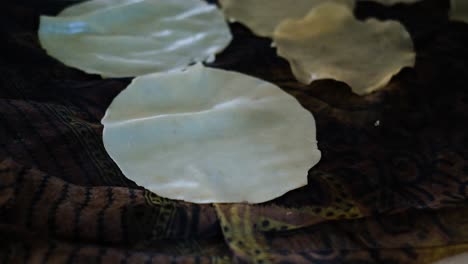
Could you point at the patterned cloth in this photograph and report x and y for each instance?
(391, 188)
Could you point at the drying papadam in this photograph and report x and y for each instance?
(329, 43)
(459, 10)
(262, 16)
(128, 38)
(205, 135)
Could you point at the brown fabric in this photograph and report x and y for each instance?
(393, 193)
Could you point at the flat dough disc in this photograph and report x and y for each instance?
(210, 136)
(92, 6)
(125, 38)
(459, 10)
(263, 16)
(329, 43)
